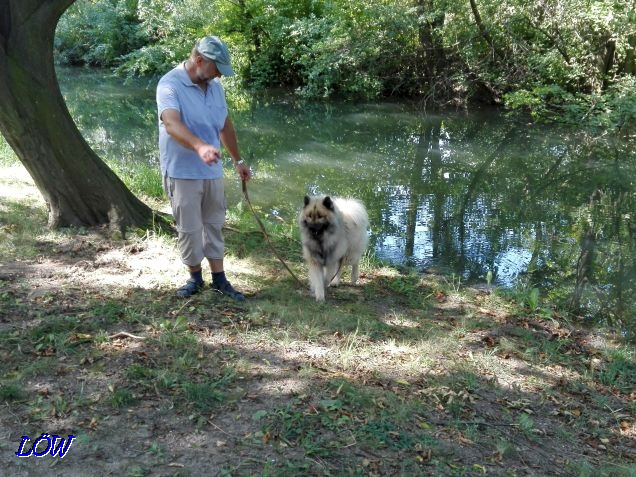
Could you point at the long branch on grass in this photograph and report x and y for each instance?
(125, 334)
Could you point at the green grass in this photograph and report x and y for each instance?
(406, 374)
(122, 397)
(7, 156)
(11, 391)
(22, 221)
(620, 370)
(143, 180)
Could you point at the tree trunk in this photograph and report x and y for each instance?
(628, 66)
(482, 28)
(431, 44)
(78, 187)
(608, 62)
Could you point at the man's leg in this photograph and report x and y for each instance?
(213, 242)
(220, 282)
(184, 196)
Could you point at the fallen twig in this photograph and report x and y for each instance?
(125, 334)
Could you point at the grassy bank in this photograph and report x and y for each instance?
(405, 374)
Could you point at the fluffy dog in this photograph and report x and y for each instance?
(333, 233)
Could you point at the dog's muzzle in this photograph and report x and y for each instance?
(316, 230)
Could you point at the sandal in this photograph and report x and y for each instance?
(192, 287)
(228, 290)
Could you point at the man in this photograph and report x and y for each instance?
(193, 123)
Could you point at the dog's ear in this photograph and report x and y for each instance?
(327, 202)
(306, 200)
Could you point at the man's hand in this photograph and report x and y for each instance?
(179, 131)
(208, 153)
(244, 171)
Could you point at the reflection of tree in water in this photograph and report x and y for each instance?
(605, 273)
(572, 215)
(427, 155)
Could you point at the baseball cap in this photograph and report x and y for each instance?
(214, 49)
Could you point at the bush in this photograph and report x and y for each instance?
(98, 33)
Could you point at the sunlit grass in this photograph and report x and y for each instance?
(143, 180)
(23, 215)
(7, 156)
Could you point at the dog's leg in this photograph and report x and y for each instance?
(317, 280)
(355, 272)
(333, 273)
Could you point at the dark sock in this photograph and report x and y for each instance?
(197, 276)
(218, 278)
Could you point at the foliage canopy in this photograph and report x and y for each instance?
(523, 53)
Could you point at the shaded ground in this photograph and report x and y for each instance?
(403, 375)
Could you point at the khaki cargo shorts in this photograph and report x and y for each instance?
(198, 206)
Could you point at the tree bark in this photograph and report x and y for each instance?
(482, 28)
(78, 187)
(608, 62)
(628, 66)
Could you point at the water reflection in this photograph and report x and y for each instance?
(466, 193)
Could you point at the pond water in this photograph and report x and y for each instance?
(477, 195)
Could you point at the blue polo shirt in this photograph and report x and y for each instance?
(204, 113)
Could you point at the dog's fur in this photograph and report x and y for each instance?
(333, 232)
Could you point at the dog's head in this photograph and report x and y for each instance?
(317, 214)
